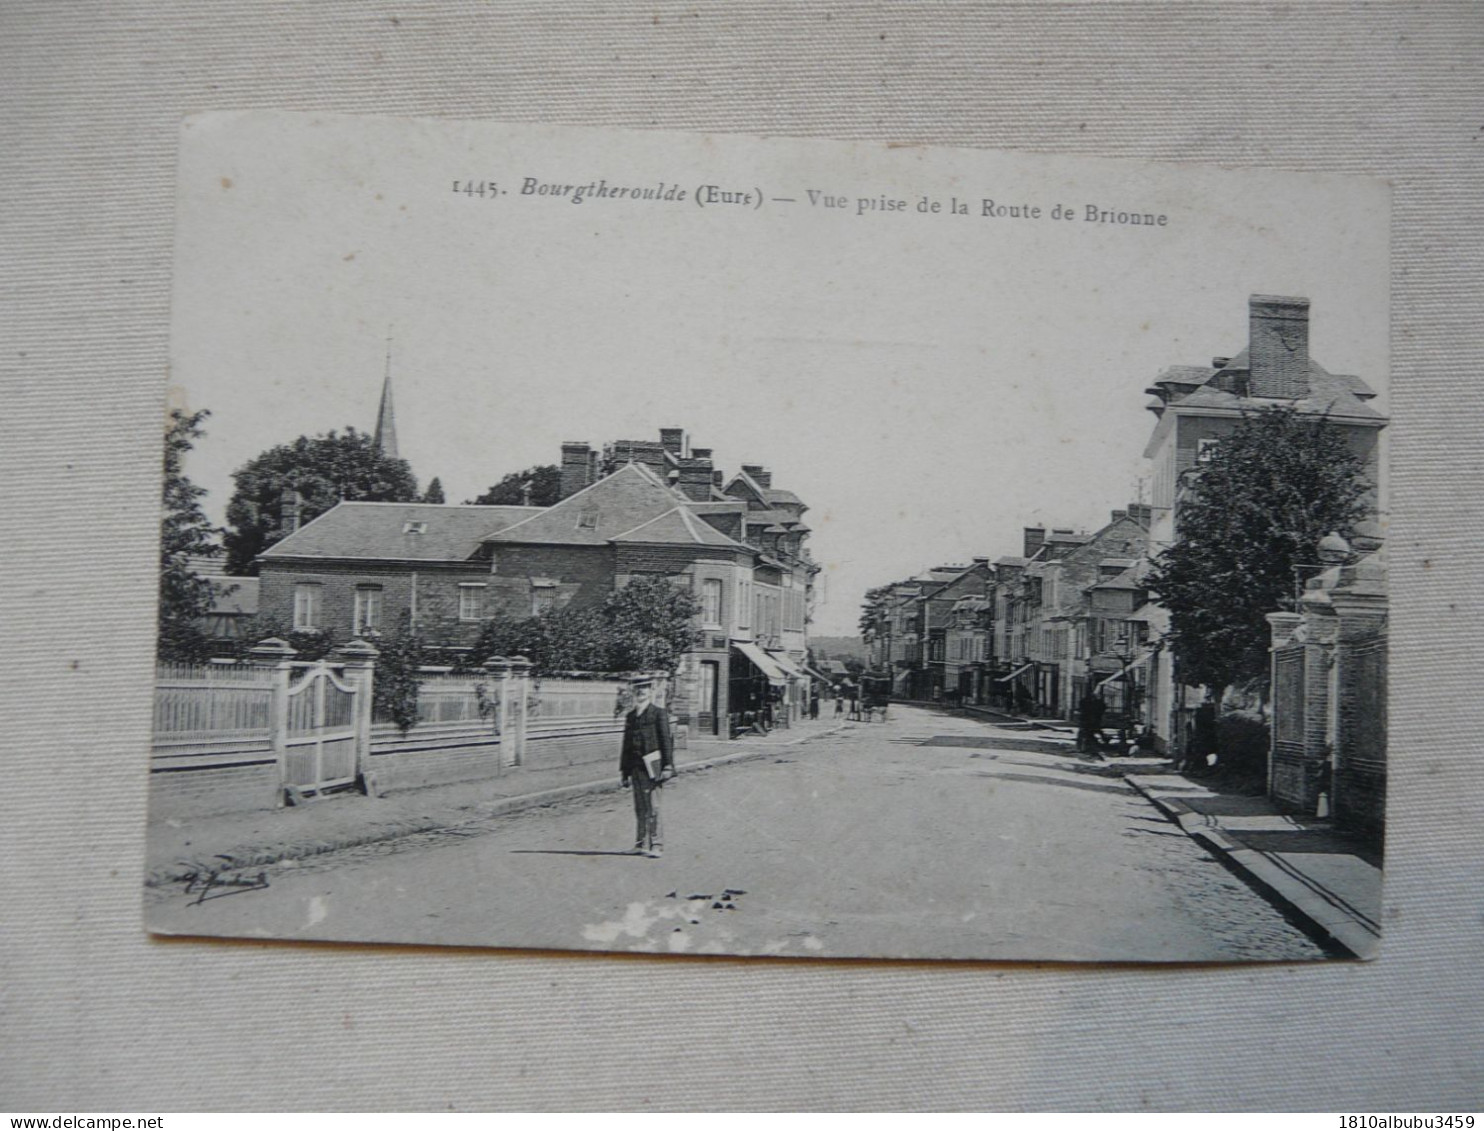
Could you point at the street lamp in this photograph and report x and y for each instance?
(1121, 647)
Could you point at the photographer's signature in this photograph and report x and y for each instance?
(209, 883)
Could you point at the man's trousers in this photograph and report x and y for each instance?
(646, 811)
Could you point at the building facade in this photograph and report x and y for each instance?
(635, 509)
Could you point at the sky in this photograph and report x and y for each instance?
(929, 383)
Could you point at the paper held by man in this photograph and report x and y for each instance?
(513, 467)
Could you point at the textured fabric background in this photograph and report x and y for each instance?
(95, 1015)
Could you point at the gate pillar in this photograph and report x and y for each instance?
(277, 654)
(359, 658)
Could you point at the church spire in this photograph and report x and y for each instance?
(386, 425)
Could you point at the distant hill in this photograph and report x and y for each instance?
(838, 647)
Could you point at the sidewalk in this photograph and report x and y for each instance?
(262, 837)
(1327, 883)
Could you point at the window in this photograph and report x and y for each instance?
(306, 606)
(587, 518)
(744, 603)
(543, 599)
(414, 527)
(368, 609)
(1205, 450)
(711, 602)
(471, 600)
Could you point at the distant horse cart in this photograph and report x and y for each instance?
(875, 692)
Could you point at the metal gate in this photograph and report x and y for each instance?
(1286, 771)
(321, 734)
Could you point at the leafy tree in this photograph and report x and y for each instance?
(1259, 507)
(394, 690)
(651, 624)
(645, 626)
(184, 533)
(434, 493)
(324, 470)
(546, 488)
(314, 644)
(557, 640)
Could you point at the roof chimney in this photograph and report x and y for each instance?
(1035, 538)
(290, 508)
(673, 440)
(759, 474)
(694, 477)
(1278, 347)
(577, 466)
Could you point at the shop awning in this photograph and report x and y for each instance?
(816, 673)
(763, 662)
(1130, 666)
(787, 663)
(1018, 671)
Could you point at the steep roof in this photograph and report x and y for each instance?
(617, 503)
(678, 526)
(777, 495)
(385, 532)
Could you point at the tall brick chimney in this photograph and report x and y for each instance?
(673, 440)
(1278, 346)
(577, 466)
(290, 509)
(759, 474)
(694, 478)
(1035, 538)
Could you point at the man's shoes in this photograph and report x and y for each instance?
(655, 852)
(638, 849)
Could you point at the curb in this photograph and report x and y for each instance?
(243, 857)
(1305, 904)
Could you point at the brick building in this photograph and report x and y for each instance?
(636, 508)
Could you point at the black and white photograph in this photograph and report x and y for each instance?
(582, 539)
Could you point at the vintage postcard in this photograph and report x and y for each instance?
(584, 539)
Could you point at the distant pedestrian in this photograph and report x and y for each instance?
(1090, 723)
(839, 703)
(814, 702)
(648, 758)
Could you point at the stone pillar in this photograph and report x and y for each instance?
(359, 658)
(279, 655)
(520, 696)
(499, 669)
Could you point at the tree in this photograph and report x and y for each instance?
(394, 690)
(546, 488)
(651, 624)
(873, 612)
(645, 626)
(324, 470)
(434, 493)
(1256, 510)
(556, 640)
(184, 533)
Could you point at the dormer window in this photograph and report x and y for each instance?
(414, 528)
(587, 518)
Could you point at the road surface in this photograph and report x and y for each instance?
(929, 836)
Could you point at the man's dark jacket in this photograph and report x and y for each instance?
(643, 733)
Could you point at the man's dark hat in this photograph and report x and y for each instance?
(641, 681)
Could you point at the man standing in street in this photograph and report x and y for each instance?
(648, 757)
(1090, 732)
